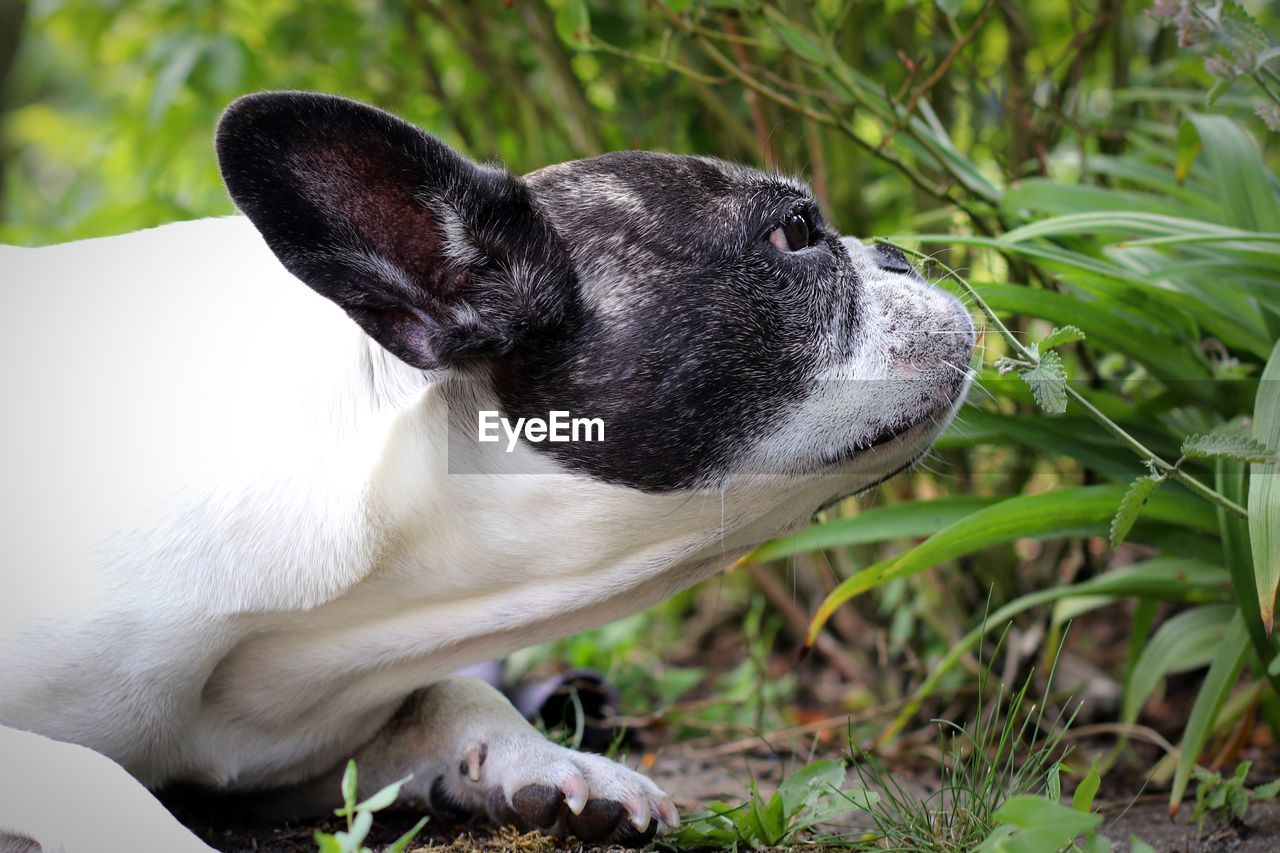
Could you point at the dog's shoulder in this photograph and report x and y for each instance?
(175, 383)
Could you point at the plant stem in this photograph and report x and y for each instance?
(1105, 422)
(1169, 470)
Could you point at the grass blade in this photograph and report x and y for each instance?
(1163, 578)
(1264, 494)
(1223, 673)
(1185, 642)
(879, 524)
(1082, 511)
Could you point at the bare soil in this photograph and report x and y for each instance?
(695, 776)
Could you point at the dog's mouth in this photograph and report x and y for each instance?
(885, 436)
(915, 425)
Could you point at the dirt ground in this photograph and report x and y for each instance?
(693, 777)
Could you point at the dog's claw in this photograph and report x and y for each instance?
(575, 792)
(668, 813)
(638, 811)
(475, 758)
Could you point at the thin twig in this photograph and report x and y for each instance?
(1125, 730)
(938, 73)
(684, 70)
(763, 740)
(797, 621)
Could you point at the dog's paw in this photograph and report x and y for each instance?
(534, 784)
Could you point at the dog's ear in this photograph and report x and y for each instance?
(436, 257)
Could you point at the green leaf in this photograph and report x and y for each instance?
(1163, 578)
(1223, 673)
(809, 784)
(1095, 843)
(359, 829)
(878, 524)
(1264, 494)
(402, 843)
(1222, 445)
(839, 803)
(1082, 799)
(573, 23)
(1186, 641)
(1269, 791)
(349, 788)
(1082, 511)
(1137, 845)
(1042, 825)
(1244, 184)
(1239, 35)
(1101, 275)
(1048, 381)
(385, 797)
(766, 822)
(173, 77)
(1093, 223)
(998, 839)
(1060, 336)
(1073, 437)
(1055, 198)
(326, 842)
(1135, 498)
(1230, 480)
(1216, 91)
(1108, 327)
(797, 39)
(1188, 149)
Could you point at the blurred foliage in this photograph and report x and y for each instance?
(109, 109)
(1106, 165)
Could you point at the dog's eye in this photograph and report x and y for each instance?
(792, 235)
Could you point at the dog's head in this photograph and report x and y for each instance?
(703, 311)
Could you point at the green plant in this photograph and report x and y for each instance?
(1029, 823)
(804, 800)
(1125, 273)
(359, 816)
(1011, 751)
(1226, 799)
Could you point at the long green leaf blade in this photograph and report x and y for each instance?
(878, 524)
(1187, 641)
(1264, 493)
(1083, 511)
(1223, 673)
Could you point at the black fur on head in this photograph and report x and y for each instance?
(652, 291)
(696, 331)
(437, 258)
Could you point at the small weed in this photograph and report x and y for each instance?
(803, 800)
(359, 817)
(1225, 799)
(1029, 823)
(998, 761)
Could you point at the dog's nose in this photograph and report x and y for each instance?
(890, 259)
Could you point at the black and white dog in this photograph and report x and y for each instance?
(244, 538)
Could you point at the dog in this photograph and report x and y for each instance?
(251, 528)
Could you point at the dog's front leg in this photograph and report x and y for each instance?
(471, 752)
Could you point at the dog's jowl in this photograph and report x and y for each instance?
(250, 523)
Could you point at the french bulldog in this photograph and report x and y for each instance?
(251, 521)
